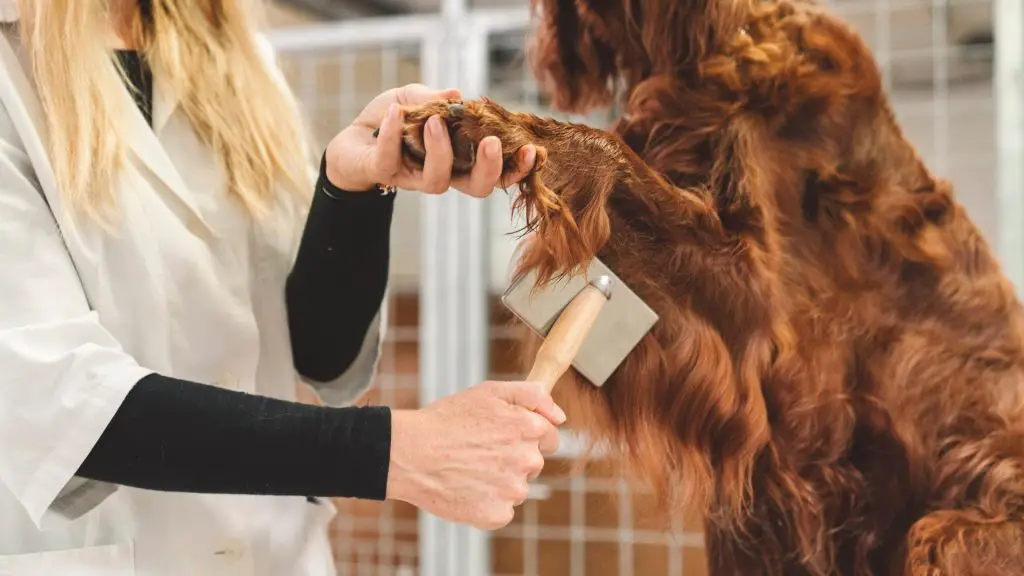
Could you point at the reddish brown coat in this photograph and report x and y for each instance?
(835, 380)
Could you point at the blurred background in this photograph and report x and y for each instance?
(953, 69)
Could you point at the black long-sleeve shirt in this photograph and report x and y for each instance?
(176, 435)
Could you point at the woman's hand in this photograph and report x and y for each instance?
(468, 458)
(356, 161)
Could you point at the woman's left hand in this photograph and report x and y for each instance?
(357, 161)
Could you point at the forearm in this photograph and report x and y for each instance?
(337, 285)
(175, 435)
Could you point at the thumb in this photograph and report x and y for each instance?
(414, 94)
(533, 396)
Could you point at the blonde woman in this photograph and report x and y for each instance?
(165, 280)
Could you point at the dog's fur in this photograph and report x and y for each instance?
(835, 379)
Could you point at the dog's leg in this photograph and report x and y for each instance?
(977, 526)
(591, 195)
(965, 543)
(577, 173)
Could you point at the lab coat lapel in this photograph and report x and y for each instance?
(165, 103)
(8, 10)
(145, 143)
(19, 95)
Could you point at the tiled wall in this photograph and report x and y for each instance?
(591, 524)
(381, 538)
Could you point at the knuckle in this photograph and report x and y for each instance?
(438, 187)
(430, 185)
(471, 188)
(504, 518)
(537, 389)
(387, 171)
(386, 161)
(496, 518)
(488, 390)
(522, 492)
(495, 387)
(522, 422)
(411, 89)
(536, 463)
(532, 463)
(488, 522)
(537, 426)
(518, 491)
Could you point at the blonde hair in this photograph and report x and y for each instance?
(208, 52)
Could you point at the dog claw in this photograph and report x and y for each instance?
(457, 110)
(376, 132)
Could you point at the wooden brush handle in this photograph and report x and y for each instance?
(564, 339)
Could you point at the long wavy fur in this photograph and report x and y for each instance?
(835, 381)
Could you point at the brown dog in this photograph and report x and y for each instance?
(836, 378)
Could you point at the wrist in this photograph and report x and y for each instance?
(406, 482)
(347, 175)
(346, 182)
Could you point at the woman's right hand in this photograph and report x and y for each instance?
(468, 458)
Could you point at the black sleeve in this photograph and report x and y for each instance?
(180, 436)
(337, 284)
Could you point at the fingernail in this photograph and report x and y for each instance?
(393, 111)
(491, 148)
(560, 414)
(434, 126)
(529, 155)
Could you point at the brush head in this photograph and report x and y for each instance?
(623, 321)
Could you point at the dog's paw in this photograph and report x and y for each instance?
(467, 123)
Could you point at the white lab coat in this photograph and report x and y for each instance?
(187, 287)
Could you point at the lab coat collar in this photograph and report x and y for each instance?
(145, 143)
(8, 10)
(165, 102)
(142, 139)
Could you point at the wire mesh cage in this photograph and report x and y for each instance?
(333, 83)
(937, 57)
